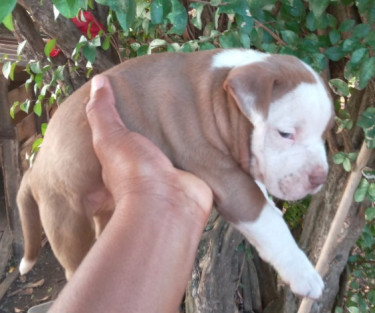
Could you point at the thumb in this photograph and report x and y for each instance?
(103, 118)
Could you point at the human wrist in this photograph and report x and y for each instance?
(169, 195)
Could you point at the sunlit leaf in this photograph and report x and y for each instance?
(6, 7)
(361, 192)
(70, 8)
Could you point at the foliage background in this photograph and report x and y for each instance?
(336, 37)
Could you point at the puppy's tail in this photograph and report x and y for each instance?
(31, 225)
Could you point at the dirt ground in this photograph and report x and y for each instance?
(41, 284)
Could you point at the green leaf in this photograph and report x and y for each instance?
(157, 15)
(12, 69)
(352, 156)
(38, 81)
(125, 19)
(245, 40)
(353, 309)
(206, 46)
(371, 191)
(13, 108)
(339, 87)
(189, 46)
(358, 55)
(366, 72)
(36, 145)
(107, 43)
(159, 10)
(20, 47)
(58, 74)
(156, 43)
(38, 108)
(295, 8)
(44, 90)
(347, 165)
(8, 22)
(70, 8)
(6, 8)
(245, 23)
(36, 68)
(334, 36)
(339, 158)
(319, 61)
(235, 6)
(367, 119)
(89, 51)
(368, 173)
(346, 25)
(43, 128)
(335, 53)
(197, 14)
(318, 6)
(371, 294)
(25, 106)
(125, 10)
(361, 30)
(143, 50)
(361, 192)
(178, 18)
(49, 47)
(310, 22)
(290, 37)
(6, 69)
(230, 40)
(344, 124)
(350, 44)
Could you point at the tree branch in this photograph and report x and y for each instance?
(338, 222)
(276, 37)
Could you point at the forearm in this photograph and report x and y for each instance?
(141, 262)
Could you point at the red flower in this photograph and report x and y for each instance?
(87, 24)
(55, 51)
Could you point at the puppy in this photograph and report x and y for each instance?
(244, 121)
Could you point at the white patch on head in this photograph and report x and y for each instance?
(288, 153)
(271, 237)
(237, 57)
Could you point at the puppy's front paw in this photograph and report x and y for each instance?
(308, 284)
(304, 280)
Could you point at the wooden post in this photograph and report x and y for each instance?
(11, 169)
(338, 222)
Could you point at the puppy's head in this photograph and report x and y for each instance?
(290, 109)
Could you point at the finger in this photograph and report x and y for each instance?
(102, 115)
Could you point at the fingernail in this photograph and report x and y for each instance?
(96, 83)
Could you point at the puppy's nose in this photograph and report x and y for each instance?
(317, 178)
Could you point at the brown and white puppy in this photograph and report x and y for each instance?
(243, 121)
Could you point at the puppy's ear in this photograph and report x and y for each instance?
(252, 87)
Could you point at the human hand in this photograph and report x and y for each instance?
(131, 163)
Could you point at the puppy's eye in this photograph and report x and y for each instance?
(286, 135)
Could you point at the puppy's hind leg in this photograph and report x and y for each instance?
(70, 232)
(31, 226)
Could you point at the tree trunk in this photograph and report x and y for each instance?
(11, 170)
(228, 275)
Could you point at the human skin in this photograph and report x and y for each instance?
(143, 259)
